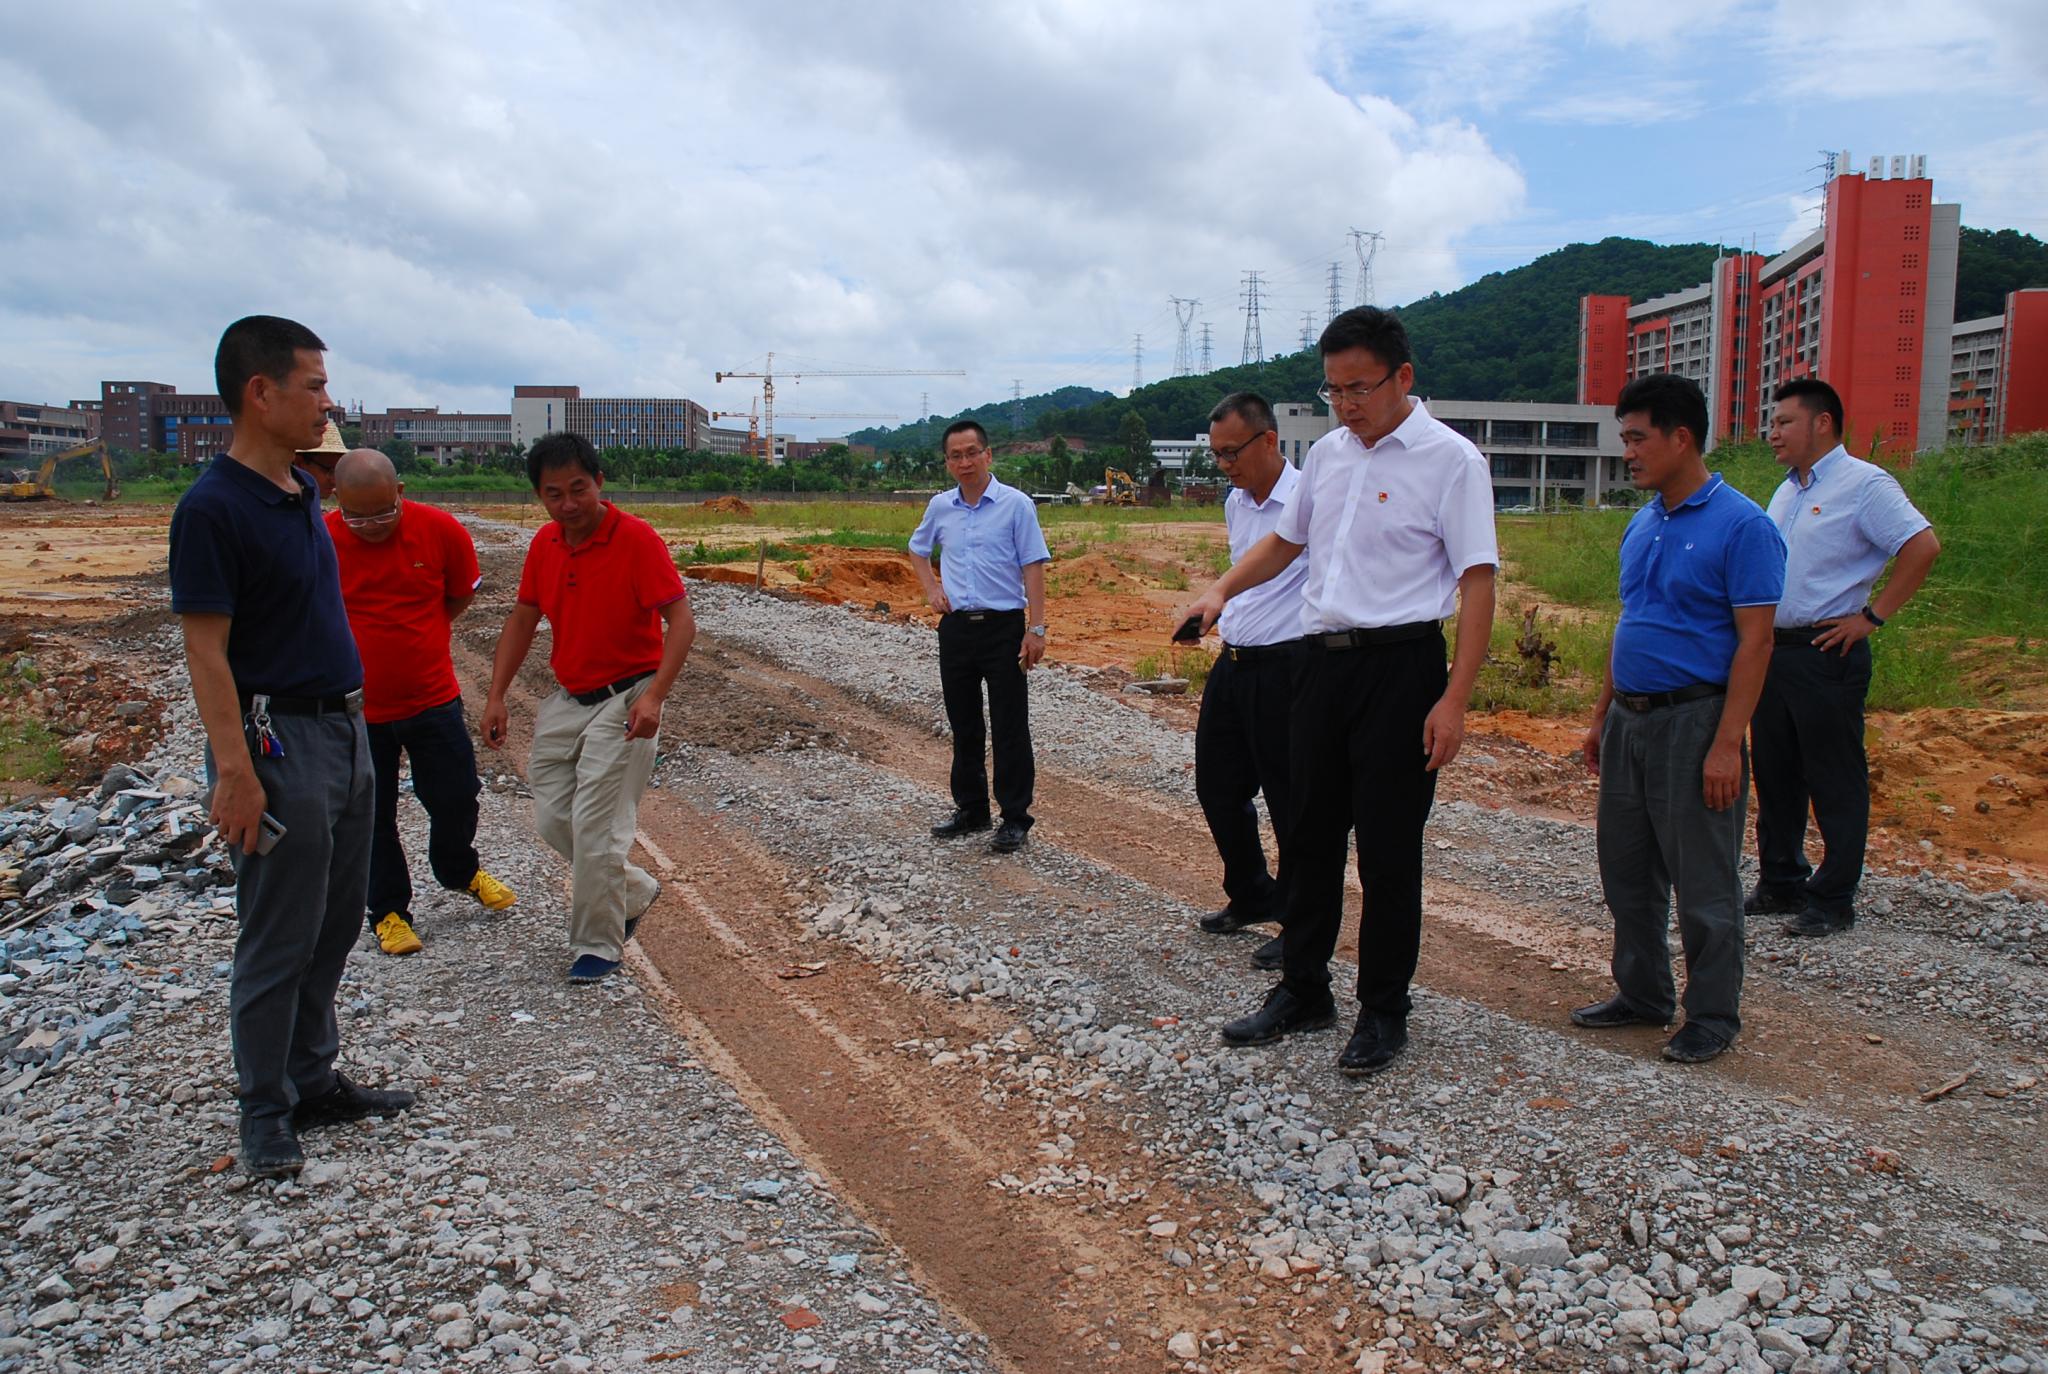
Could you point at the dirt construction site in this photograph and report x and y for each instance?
(866, 1101)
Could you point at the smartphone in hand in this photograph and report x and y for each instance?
(1190, 631)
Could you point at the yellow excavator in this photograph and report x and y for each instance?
(23, 485)
(1118, 488)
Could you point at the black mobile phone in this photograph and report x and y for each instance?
(1190, 631)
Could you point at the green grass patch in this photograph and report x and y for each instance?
(1174, 661)
(29, 752)
(1989, 507)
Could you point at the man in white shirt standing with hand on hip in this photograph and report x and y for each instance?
(1396, 512)
(1241, 736)
(1842, 519)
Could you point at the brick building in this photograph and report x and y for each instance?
(28, 431)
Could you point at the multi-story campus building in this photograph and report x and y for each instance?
(438, 436)
(1998, 372)
(1865, 302)
(28, 431)
(608, 421)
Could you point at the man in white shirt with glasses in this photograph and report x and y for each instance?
(1395, 510)
(1241, 735)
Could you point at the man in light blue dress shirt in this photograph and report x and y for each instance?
(991, 572)
(1842, 520)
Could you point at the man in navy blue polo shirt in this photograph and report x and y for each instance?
(992, 568)
(278, 684)
(1702, 568)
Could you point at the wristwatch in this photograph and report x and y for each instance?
(1872, 616)
(1038, 630)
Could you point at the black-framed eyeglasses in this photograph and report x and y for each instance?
(374, 518)
(1231, 455)
(323, 461)
(955, 455)
(1331, 395)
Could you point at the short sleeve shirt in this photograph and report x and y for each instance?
(1269, 613)
(1684, 572)
(1390, 528)
(397, 592)
(243, 547)
(984, 547)
(1840, 528)
(602, 598)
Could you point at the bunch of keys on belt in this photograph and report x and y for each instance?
(267, 742)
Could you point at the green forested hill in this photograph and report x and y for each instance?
(1989, 264)
(995, 417)
(1510, 336)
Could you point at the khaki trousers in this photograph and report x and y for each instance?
(587, 778)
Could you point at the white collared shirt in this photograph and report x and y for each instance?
(1390, 528)
(1269, 613)
(1840, 529)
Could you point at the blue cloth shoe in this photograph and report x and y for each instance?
(588, 968)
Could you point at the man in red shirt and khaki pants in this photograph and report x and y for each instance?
(622, 628)
(407, 571)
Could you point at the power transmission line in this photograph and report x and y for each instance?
(1366, 244)
(1336, 291)
(1254, 339)
(1205, 347)
(1307, 330)
(1137, 361)
(1184, 314)
(1017, 406)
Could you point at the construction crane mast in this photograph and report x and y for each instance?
(768, 374)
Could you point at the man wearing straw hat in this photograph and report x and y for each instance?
(318, 463)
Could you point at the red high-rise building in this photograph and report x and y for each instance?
(1866, 302)
(1603, 349)
(2023, 364)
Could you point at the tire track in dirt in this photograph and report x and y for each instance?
(1058, 1286)
(1799, 1044)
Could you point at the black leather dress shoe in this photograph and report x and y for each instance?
(348, 1101)
(1229, 921)
(1374, 1044)
(270, 1148)
(1815, 922)
(1612, 1013)
(1009, 837)
(1774, 901)
(1267, 956)
(958, 824)
(1694, 1045)
(1283, 1014)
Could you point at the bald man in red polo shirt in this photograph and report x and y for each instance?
(622, 628)
(407, 572)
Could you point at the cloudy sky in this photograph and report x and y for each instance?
(629, 195)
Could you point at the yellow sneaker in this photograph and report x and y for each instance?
(395, 935)
(493, 894)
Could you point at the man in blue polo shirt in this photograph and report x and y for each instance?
(278, 684)
(993, 559)
(1702, 568)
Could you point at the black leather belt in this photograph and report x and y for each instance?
(624, 684)
(984, 615)
(1651, 701)
(1796, 634)
(1252, 653)
(1377, 635)
(348, 703)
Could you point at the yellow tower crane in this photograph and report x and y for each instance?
(768, 375)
